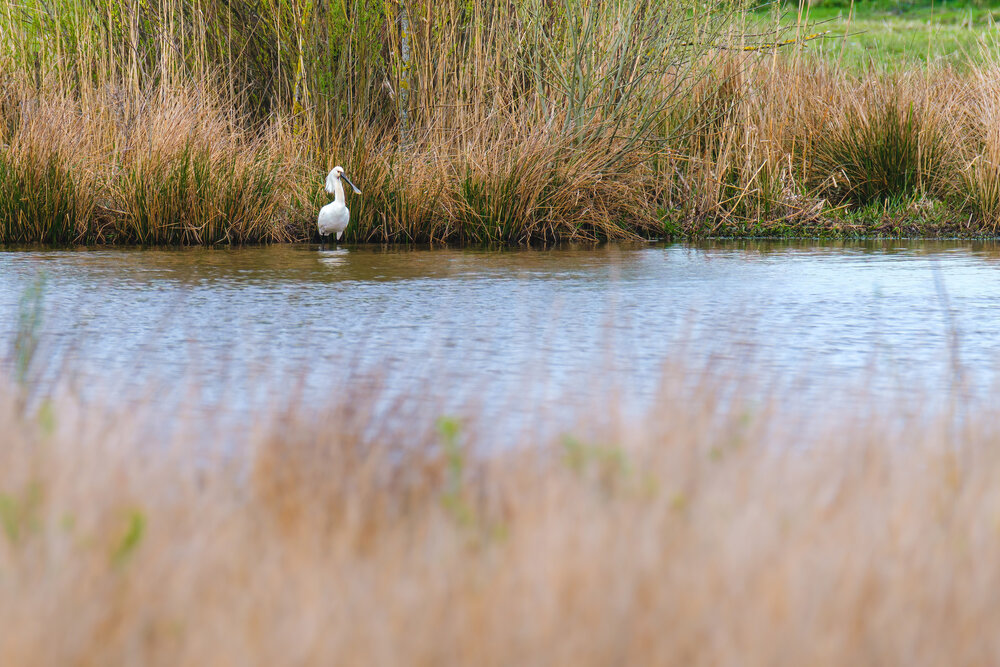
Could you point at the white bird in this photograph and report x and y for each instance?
(333, 217)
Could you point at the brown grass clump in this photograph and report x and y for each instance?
(705, 532)
(979, 179)
(170, 167)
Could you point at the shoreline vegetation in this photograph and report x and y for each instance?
(714, 529)
(186, 122)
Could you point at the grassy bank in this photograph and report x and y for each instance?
(710, 530)
(200, 121)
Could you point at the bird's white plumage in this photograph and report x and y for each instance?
(332, 178)
(333, 217)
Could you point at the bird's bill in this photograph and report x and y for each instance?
(353, 186)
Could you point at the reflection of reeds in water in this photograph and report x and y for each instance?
(707, 531)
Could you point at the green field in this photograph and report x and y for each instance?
(893, 34)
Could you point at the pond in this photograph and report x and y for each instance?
(506, 330)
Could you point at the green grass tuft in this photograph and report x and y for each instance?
(883, 151)
(39, 201)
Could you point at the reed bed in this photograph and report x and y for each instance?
(704, 531)
(487, 122)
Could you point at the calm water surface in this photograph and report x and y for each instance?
(502, 329)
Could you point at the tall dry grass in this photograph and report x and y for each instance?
(482, 122)
(705, 531)
(170, 167)
(200, 121)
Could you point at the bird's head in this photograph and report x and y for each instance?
(336, 175)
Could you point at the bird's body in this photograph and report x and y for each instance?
(333, 217)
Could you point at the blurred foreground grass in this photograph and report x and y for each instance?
(710, 530)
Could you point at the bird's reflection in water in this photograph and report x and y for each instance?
(333, 258)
